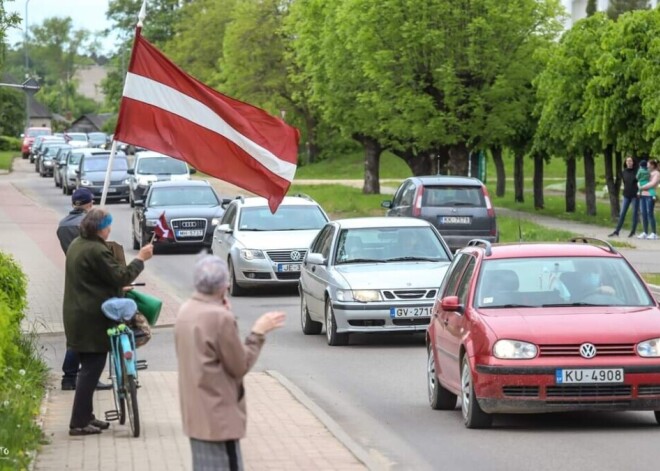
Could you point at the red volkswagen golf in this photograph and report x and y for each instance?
(531, 328)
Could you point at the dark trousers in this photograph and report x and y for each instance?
(627, 203)
(70, 365)
(648, 214)
(91, 368)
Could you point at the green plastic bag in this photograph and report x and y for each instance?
(147, 304)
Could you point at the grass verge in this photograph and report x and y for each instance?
(652, 278)
(6, 157)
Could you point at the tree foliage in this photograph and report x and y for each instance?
(617, 8)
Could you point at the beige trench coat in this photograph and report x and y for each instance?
(212, 362)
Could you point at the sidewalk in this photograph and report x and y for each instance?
(286, 430)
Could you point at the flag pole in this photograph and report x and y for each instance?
(108, 172)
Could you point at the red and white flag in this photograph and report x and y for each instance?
(162, 229)
(166, 110)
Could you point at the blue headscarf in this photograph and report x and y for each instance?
(105, 222)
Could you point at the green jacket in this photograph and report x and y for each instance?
(92, 276)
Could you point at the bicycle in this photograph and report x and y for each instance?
(124, 364)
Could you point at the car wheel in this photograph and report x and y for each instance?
(136, 243)
(130, 200)
(473, 416)
(234, 288)
(334, 339)
(309, 327)
(657, 416)
(439, 397)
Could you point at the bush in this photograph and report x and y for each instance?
(10, 143)
(12, 285)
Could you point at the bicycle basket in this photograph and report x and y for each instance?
(119, 309)
(147, 304)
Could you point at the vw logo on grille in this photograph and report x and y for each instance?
(188, 224)
(295, 255)
(588, 350)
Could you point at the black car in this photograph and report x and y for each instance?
(192, 209)
(459, 207)
(46, 161)
(92, 170)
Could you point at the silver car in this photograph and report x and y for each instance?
(365, 275)
(265, 249)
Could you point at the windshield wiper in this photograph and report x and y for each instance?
(361, 260)
(254, 230)
(511, 305)
(413, 259)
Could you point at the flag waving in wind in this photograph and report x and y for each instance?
(166, 110)
(162, 229)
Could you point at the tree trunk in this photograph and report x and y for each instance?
(500, 187)
(372, 151)
(442, 161)
(518, 177)
(618, 176)
(571, 184)
(589, 182)
(458, 159)
(420, 163)
(612, 191)
(312, 146)
(538, 181)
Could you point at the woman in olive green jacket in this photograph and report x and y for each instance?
(92, 276)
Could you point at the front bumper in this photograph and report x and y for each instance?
(265, 272)
(115, 192)
(515, 389)
(381, 317)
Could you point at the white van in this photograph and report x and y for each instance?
(152, 167)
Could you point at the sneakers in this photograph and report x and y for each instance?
(100, 424)
(613, 234)
(642, 235)
(68, 385)
(652, 236)
(87, 430)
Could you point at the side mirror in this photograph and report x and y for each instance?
(138, 203)
(386, 204)
(451, 304)
(192, 171)
(225, 202)
(131, 171)
(224, 228)
(77, 171)
(315, 259)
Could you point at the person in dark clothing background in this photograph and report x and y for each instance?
(630, 197)
(67, 230)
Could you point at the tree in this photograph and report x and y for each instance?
(158, 26)
(617, 8)
(648, 84)
(12, 111)
(592, 7)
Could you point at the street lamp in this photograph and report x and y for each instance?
(25, 42)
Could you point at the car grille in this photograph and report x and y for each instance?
(412, 321)
(409, 294)
(597, 403)
(521, 391)
(591, 390)
(285, 256)
(288, 275)
(648, 390)
(573, 350)
(102, 182)
(187, 225)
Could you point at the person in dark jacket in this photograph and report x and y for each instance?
(630, 198)
(92, 275)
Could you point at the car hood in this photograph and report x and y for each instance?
(576, 325)
(276, 240)
(176, 212)
(394, 275)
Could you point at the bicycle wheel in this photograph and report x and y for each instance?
(117, 390)
(130, 394)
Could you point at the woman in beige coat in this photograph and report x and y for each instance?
(212, 361)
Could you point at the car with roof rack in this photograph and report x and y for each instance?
(543, 327)
(264, 249)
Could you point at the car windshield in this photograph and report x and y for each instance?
(389, 244)
(559, 281)
(74, 158)
(96, 137)
(38, 132)
(51, 151)
(286, 218)
(183, 196)
(453, 196)
(161, 166)
(101, 164)
(76, 136)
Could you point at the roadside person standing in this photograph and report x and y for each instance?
(92, 275)
(630, 197)
(647, 201)
(67, 230)
(212, 362)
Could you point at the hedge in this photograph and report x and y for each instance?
(10, 143)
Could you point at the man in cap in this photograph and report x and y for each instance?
(67, 230)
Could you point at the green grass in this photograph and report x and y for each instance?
(652, 278)
(351, 167)
(6, 156)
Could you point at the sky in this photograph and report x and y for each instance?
(88, 14)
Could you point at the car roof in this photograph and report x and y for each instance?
(378, 221)
(96, 152)
(544, 249)
(258, 201)
(176, 183)
(447, 180)
(149, 154)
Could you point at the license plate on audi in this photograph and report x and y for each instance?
(589, 376)
(398, 312)
(190, 233)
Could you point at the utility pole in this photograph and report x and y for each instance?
(27, 75)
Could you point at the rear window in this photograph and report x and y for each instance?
(454, 196)
(38, 132)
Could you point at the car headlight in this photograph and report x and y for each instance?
(361, 296)
(215, 221)
(251, 254)
(48, 163)
(151, 222)
(85, 183)
(649, 348)
(514, 350)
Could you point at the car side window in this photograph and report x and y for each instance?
(408, 195)
(453, 277)
(327, 243)
(318, 242)
(229, 216)
(464, 285)
(396, 201)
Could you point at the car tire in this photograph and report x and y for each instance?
(473, 415)
(234, 288)
(136, 243)
(439, 397)
(657, 416)
(334, 339)
(309, 327)
(131, 202)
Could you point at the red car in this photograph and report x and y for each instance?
(28, 139)
(531, 328)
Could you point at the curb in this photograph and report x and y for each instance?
(333, 427)
(43, 410)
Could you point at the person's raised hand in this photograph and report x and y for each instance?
(268, 321)
(146, 252)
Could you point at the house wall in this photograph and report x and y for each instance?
(89, 81)
(577, 9)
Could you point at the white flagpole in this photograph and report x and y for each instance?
(108, 172)
(143, 13)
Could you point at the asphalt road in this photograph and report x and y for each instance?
(375, 388)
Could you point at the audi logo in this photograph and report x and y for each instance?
(588, 350)
(188, 224)
(295, 255)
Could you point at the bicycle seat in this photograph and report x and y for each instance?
(119, 309)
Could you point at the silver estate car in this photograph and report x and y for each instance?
(377, 274)
(265, 249)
